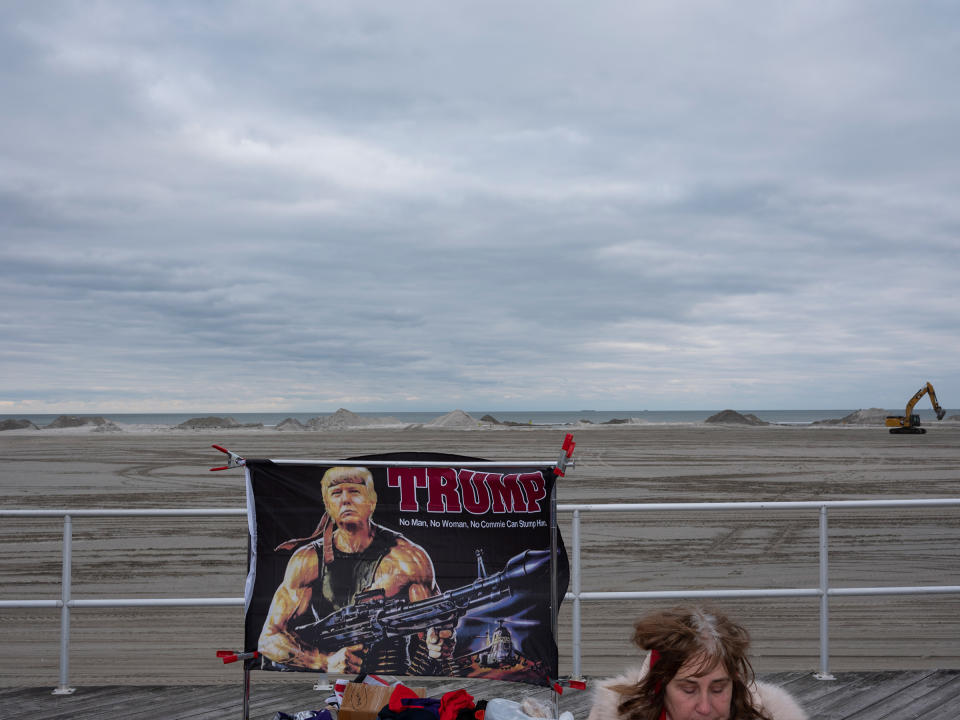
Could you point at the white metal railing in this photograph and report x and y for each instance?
(823, 590)
(576, 595)
(66, 601)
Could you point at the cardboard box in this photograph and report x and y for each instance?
(364, 702)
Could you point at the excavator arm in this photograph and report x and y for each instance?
(936, 406)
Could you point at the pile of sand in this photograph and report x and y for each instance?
(290, 424)
(97, 424)
(732, 417)
(11, 424)
(109, 426)
(343, 419)
(870, 416)
(214, 423)
(207, 423)
(454, 419)
(491, 420)
(72, 421)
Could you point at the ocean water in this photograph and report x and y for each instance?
(531, 417)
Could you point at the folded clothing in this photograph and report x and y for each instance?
(401, 693)
(405, 704)
(453, 702)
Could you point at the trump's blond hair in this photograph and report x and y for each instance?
(348, 474)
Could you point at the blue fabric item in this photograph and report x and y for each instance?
(413, 713)
(431, 704)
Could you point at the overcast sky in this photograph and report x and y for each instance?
(490, 205)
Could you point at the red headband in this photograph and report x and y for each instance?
(654, 657)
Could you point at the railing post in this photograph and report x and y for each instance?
(575, 581)
(64, 687)
(824, 673)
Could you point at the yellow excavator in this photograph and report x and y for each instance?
(908, 423)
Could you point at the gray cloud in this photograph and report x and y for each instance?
(491, 206)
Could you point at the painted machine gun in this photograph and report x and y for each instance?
(373, 617)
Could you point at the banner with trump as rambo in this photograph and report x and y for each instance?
(403, 564)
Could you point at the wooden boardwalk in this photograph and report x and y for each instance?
(914, 695)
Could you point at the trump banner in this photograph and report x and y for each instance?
(403, 564)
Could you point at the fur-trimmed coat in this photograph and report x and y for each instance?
(775, 701)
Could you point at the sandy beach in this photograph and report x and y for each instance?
(169, 557)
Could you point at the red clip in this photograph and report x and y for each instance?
(558, 688)
(233, 460)
(231, 657)
(578, 684)
(566, 451)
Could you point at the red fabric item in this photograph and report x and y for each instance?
(654, 657)
(453, 702)
(399, 694)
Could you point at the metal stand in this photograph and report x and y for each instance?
(231, 656)
(246, 693)
(554, 591)
(562, 464)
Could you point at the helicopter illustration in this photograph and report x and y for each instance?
(499, 649)
(497, 631)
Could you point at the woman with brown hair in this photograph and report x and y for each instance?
(696, 669)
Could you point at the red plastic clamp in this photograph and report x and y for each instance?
(233, 460)
(231, 656)
(566, 451)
